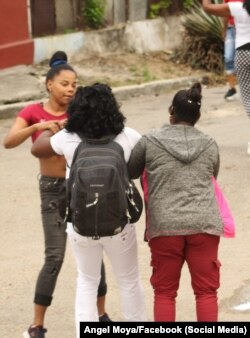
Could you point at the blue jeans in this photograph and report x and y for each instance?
(229, 50)
(55, 242)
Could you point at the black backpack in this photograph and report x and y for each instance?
(101, 199)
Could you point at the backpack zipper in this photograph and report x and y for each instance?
(95, 201)
(94, 204)
(96, 236)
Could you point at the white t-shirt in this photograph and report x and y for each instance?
(242, 23)
(65, 143)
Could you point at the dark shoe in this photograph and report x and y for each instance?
(230, 95)
(104, 318)
(35, 332)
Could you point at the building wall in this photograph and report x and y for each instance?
(66, 14)
(43, 18)
(16, 47)
(44, 47)
(142, 36)
(137, 10)
(120, 11)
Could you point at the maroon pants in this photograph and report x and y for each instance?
(168, 254)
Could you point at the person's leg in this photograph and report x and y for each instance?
(167, 258)
(101, 305)
(55, 243)
(88, 256)
(204, 267)
(229, 55)
(101, 297)
(242, 67)
(121, 250)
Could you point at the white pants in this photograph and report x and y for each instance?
(121, 250)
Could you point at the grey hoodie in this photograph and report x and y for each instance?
(178, 162)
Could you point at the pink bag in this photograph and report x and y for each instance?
(225, 212)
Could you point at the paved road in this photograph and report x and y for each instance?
(21, 239)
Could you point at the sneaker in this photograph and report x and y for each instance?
(230, 95)
(35, 332)
(104, 318)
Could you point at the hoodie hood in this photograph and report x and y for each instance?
(183, 142)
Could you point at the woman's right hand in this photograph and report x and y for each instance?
(53, 125)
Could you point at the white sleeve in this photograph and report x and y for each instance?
(57, 142)
(133, 136)
(234, 7)
(128, 139)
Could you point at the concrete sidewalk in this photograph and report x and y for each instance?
(22, 85)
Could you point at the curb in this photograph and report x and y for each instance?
(154, 87)
(121, 93)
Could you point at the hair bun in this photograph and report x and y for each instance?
(194, 93)
(58, 58)
(57, 63)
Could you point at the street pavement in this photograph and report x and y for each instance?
(21, 237)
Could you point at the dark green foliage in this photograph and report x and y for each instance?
(202, 40)
(93, 13)
(163, 7)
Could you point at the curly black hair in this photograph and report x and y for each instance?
(94, 112)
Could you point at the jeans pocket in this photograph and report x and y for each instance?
(73, 236)
(126, 233)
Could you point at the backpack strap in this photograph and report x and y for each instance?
(83, 140)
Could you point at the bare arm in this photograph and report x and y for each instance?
(42, 147)
(218, 10)
(20, 131)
